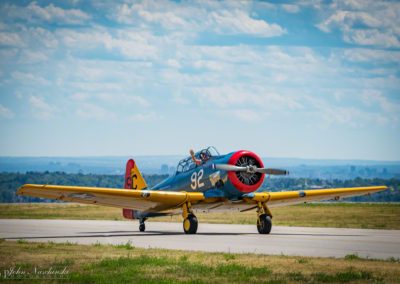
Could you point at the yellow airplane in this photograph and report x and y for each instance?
(205, 181)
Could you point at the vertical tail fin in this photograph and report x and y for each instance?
(135, 181)
(133, 177)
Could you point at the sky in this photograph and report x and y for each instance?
(307, 79)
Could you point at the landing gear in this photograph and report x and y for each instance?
(264, 223)
(190, 222)
(142, 226)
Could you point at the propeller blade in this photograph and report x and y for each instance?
(272, 171)
(250, 169)
(226, 167)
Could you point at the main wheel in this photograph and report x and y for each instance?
(266, 224)
(142, 227)
(190, 224)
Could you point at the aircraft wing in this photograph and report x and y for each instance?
(143, 200)
(275, 199)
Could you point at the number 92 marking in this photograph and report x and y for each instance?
(195, 178)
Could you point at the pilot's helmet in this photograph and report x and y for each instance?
(203, 156)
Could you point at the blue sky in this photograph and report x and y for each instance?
(309, 79)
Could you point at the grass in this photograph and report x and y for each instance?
(351, 256)
(125, 246)
(339, 215)
(120, 264)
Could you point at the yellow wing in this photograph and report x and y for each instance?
(143, 200)
(163, 201)
(275, 199)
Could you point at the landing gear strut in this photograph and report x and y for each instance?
(189, 219)
(264, 216)
(142, 226)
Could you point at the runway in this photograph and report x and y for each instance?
(301, 241)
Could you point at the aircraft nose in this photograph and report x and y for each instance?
(246, 181)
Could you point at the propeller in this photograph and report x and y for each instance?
(250, 169)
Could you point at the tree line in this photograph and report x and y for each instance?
(10, 182)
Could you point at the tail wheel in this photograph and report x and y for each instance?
(264, 225)
(190, 224)
(142, 227)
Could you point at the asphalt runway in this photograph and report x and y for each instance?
(301, 241)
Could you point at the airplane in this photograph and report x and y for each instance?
(204, 181)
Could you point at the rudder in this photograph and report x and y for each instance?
(135, 181)
(133, 177)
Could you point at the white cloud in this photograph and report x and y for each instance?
(180, 99)
(290, 8)
(369, 55)
(173, 63)
(30, 57)
(368, 22)
(10, 39)
(112, 98)
(239, 22)
(348, 19)
(350, 116)
(3, 26)
(248, 115)
(225, 96)
(41, 109)
(28, 78)
(123, 99)
(43, 36)
(131, 44)
(372, 37)
(8, 53)
(94, 86)
(375, 97)
(35, 13)
(209, 64)
(6, 113)
(91, 111)
(18, 94)
(229, 17)
(325, 113)
(81, 96)
(144, 117)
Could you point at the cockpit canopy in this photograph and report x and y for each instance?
(188, 164)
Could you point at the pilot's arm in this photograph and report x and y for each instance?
(198, 162)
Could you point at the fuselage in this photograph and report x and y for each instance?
(211, 182)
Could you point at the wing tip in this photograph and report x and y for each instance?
(22, 189)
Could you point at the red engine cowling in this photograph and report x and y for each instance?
(243, 181)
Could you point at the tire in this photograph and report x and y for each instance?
(190, 224)
(266, 224)
(142, 227)
(258, 228)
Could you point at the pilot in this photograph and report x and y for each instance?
(203, 157)
(198, 162)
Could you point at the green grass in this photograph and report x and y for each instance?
(119, 264)
(22, 241)
(127, 246)
(347, 276)
(351, 256)
(339, 215)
